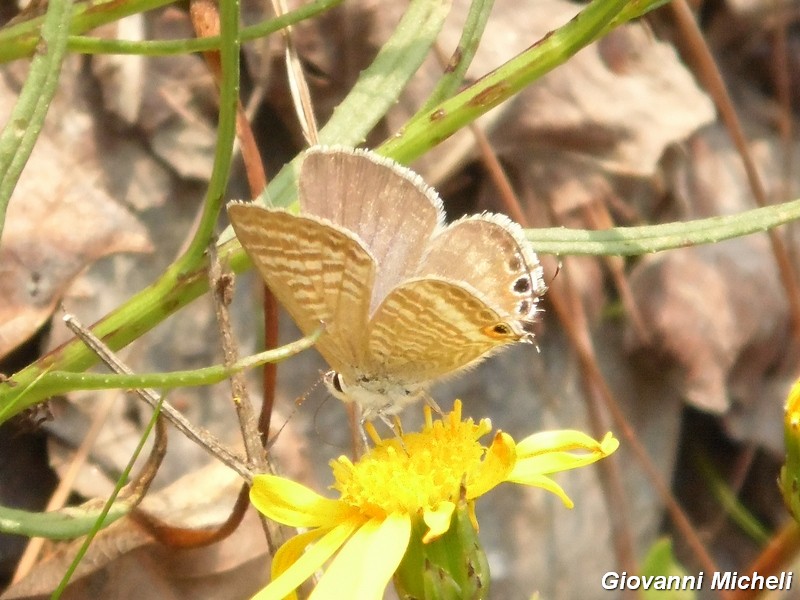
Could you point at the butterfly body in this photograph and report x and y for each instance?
(405, 299)
(373, 395)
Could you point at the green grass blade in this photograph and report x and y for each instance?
(20, 133)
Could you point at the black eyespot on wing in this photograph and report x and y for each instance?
(522, 285)
(502, 329)
(337, 383)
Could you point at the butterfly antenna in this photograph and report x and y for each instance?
(298, 402)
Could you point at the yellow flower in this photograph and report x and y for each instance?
(384, 495)
(789, 480)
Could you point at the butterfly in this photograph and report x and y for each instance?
(405, 298)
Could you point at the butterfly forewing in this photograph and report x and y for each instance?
(428, 328)
(388, 207)
(318, 272)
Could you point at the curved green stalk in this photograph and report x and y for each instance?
(22, 129)
(226, 134)
(102, 517)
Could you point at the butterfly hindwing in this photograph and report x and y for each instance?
(490, 253)
(426, 329)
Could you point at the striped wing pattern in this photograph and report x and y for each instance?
(428, 328)
(318, 272)
(489, 253)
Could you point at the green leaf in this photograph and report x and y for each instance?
(660, 562)
(65, 524)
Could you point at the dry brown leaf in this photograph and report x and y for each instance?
(593, 130)
(172, 100)
(718, 314)
(59, 222)
(124, 561)
(612, 109)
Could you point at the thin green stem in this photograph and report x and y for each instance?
(20, 39)
(474, 26)
(93, 45)
(107, 507)
(53, 383)
(228, 104)
(632, 241)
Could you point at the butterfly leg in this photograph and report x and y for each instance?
(432, 403)
(362, 431)
(394, 425)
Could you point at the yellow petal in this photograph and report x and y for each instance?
(308, 562)
(438, 521)
(564, 440)
(554, 451)
(292, 550)
(495, 466)
(366, 563)
(293, 504)
(547, 484)
(609, 444)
